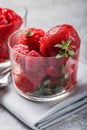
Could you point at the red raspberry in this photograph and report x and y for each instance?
(23, 83)
(55, 36)
(31, 37)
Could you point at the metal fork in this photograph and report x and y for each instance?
(5, 71)
(4, 80)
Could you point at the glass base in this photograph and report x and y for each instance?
(58, 96)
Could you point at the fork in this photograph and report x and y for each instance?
(4, 80)
(5, 71)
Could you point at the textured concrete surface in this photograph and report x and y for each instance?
(46, 14)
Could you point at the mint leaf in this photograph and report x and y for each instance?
(65, 49)
(65, 54)
(69, 41)
(65, 46)
(63, 42)
(46, 82)
(66, 76)
(59, 56)
(58, 45)
(71, 53)
(61, 53)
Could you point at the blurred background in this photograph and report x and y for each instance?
(48, 13)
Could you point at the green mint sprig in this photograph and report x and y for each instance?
(65, 49)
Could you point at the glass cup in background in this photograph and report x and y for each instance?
(42, 78)
(21, 11)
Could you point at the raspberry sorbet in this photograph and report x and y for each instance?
(45, 64)
(9, 22)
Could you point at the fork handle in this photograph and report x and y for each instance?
(5, 71)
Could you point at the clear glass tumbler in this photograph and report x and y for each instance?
(42, 78)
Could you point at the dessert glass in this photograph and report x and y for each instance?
(42, 78)
(22, 12)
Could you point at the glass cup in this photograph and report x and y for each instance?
(42, 78)
(21, 11)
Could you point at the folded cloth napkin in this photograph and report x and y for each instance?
(39, 115)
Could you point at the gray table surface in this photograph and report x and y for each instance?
(46, 14)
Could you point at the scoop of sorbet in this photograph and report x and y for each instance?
(9, 22)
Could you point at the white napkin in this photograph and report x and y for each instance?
(39, 116)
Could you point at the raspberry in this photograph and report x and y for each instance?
(31, 37)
